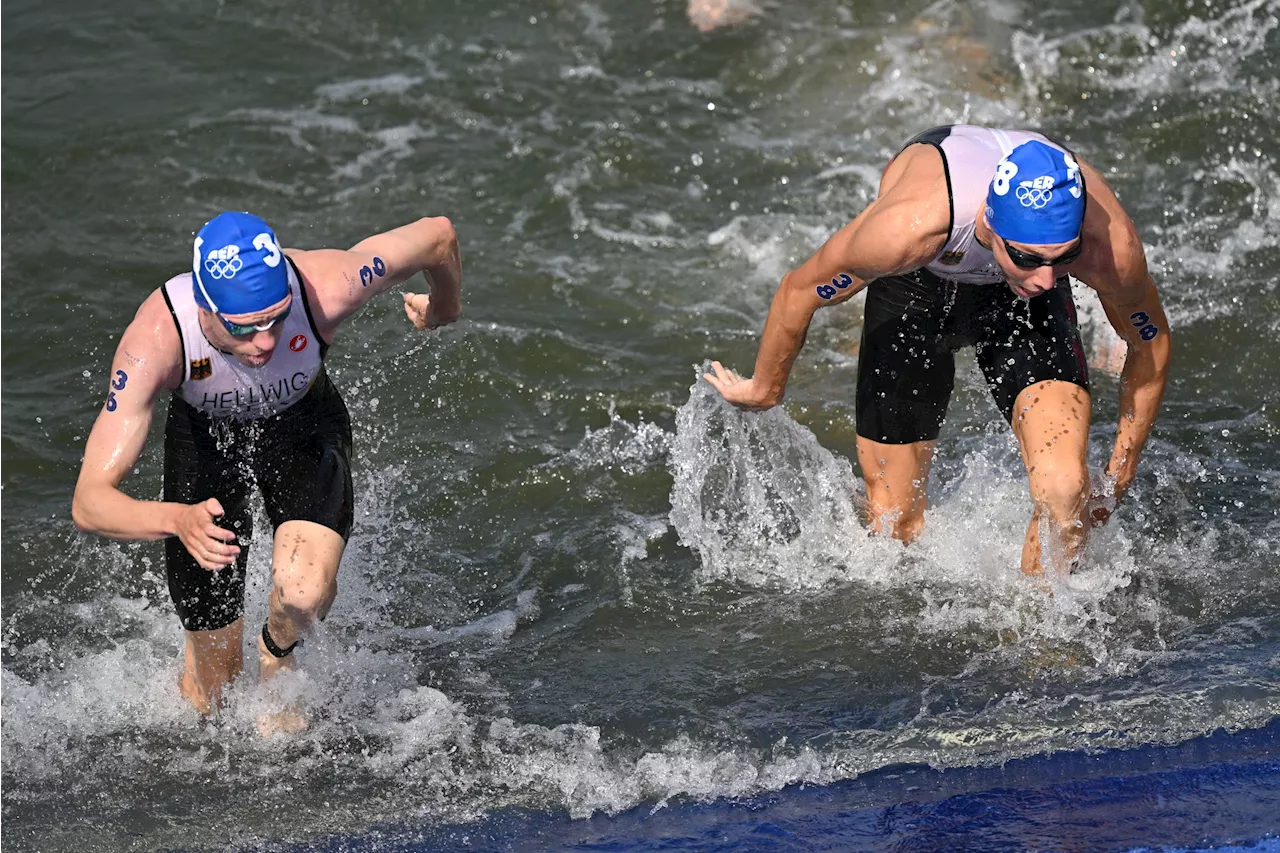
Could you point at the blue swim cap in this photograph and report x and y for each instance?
(1036, 196)
(237, 265)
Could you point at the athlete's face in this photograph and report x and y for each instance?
(1032, 270)
(255, 348)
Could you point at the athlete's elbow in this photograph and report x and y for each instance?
(440, 235)
(797, 295)
(87, 503)
(80, 515)
(438, 224)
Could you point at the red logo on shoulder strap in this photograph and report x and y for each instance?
(298, 343)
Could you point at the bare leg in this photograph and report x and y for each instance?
(213, 659)
(897, 478)
(1051, 421)
(304, 573)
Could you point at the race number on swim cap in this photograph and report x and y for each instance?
(1036, 196)
(238, 266)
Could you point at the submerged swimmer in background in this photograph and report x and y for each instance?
(948, 35)
(238, 343)
(708, 15)
(969, 243)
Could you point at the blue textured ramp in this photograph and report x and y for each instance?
(1213, 792)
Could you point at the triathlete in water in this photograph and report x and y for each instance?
(238, 346)
(969, 243)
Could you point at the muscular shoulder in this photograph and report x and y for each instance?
(918, 172)
(909, 222)
(151, 341)
(1114, 256)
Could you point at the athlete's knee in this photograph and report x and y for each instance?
(304, 602)
(1062, 487)
(901, 523)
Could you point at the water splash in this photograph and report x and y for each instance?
(757, 498)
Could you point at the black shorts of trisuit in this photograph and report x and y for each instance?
(300, 459)
(913, 326)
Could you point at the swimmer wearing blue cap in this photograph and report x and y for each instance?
(238, 344)
(969, 243)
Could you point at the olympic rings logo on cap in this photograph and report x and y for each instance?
(1035, 193)
(224, 262)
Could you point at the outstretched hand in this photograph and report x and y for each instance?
(742, 393)
(212, 546)
(422, 312)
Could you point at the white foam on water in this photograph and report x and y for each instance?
(295, 124)
(430, 748)
(631, 448)
(129, 687)
(387, 146)
(640, 239)
(763, 504)
(1198, 55)
(362, 155)
(770, 245)
(781, 516)
(356, 90)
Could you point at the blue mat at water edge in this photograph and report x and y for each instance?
(1213, 792)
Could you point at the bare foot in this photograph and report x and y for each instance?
(203, 701)
(289, 721)
(291, 718)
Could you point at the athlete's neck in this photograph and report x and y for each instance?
(982, 232)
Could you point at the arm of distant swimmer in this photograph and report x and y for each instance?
(147, 361)
(344, 281)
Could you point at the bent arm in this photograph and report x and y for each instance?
(885, 239)
(344, 281)
(98, 506)
(139, 373)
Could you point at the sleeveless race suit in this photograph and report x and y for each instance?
(282, 427)
(915, 322)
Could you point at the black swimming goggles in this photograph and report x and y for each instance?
(1028, 261)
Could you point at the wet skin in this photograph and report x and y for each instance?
(254, 349)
